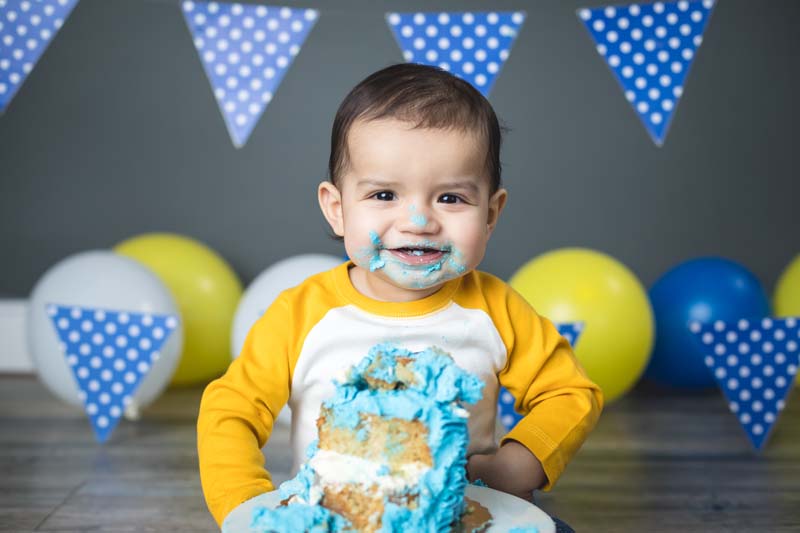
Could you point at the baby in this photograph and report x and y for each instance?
(415, 194)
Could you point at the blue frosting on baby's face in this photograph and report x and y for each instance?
(427, 386)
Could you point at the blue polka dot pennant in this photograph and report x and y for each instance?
(26, 28)
(109, 353)
(246, 50)
(505, 401)
(650, 48)
(754, 363)
(473, 46)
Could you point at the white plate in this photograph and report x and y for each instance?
(507, 511)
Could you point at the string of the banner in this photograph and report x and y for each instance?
(320, 6)
(324, 8)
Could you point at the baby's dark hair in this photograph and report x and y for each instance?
(428, 97)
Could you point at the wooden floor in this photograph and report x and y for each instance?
(658, 462)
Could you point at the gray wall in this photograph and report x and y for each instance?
(116, 132)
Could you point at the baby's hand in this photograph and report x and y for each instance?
(513, 469)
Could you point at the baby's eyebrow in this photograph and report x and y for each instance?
(371, 182)
(469, 185)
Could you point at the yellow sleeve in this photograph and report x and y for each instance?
(560, 403)
(237, 412)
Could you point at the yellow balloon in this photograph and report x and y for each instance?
(207, 292)
(576, 284)
(786, 299)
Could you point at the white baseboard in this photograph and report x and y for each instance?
(14, 357)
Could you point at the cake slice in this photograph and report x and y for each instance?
(391, 450)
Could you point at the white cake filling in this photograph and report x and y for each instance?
(334, 468)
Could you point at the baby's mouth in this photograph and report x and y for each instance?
(417, 255)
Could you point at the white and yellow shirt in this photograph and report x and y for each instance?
(314, 332)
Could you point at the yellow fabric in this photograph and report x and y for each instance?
(560, 403)
(238, 410)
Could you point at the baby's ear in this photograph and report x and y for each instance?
(496, 204)
(330, 202)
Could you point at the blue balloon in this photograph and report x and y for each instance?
(704, 289)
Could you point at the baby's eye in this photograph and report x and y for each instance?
(450, 199)
(384, 196)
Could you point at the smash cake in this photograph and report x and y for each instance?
(390, 454)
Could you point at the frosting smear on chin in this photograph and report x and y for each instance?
(392, 445)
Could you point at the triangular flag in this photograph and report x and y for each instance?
(109, 353)
(505, 401)
(26, 28)
(473, 46)
(246, 50)
(650, 48)
(754, 363)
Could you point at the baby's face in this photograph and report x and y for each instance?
(416, 209)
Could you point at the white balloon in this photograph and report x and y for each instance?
(103, 280)
(260, 294)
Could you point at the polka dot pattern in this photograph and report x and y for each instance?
(246, 49)
(755, 364)
(649, 48)
(473, 46)
(505, 401)
(109, 353)
(26, 28)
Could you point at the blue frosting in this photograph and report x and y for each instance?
(453, 258)
(375, 261)
(432, 396)
(419, 220)
(524, 529)
(300, 484)
(299, 517)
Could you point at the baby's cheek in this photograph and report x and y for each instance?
(471, 248)
(366, 255)
(457, 263)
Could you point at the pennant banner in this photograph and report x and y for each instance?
(754, 363)
(26, 28)
(109, 352)
(505, 401)
(473, 46)
(649, 48)
(246, 50)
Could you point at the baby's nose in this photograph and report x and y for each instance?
(420, 221)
